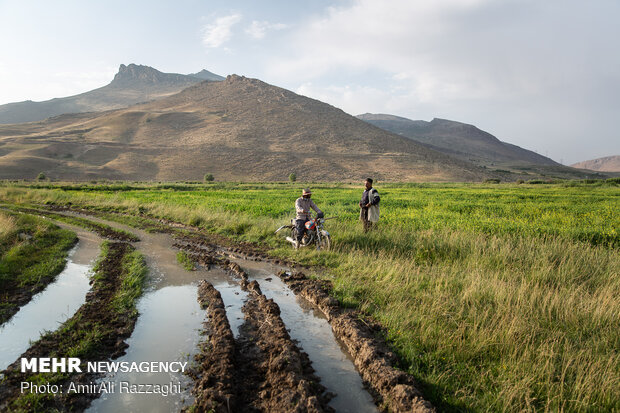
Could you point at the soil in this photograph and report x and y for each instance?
(114, 328)
(263, 370)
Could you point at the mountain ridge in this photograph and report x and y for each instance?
(132, 84)
(459, 139)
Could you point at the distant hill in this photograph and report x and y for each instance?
(237, 129)
(606, 164)
(132, 84)
(457, 139)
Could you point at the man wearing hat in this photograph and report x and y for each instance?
(302, 207)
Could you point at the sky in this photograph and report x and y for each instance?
(544, 75)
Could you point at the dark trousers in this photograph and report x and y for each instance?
(300, 224)
(364, 218)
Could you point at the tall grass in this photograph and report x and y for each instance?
(7, 224)
(497, 298)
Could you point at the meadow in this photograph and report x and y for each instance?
(496, 297)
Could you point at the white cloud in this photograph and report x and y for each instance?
(219, 32)
(258, 29)
(517, 67)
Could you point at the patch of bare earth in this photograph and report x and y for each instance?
(263, 369)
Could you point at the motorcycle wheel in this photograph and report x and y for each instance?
(326, 242)
(294, 234)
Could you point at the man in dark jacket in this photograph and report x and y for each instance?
(369, 206)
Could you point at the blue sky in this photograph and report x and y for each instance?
(544, 75)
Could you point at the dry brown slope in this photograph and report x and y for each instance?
(238, 129)
(605, 164)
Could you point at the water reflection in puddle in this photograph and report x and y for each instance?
(167, 330)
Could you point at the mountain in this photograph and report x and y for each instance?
(132, 84)
(237, 129)
(457, 139)
(606, 164)
(206, 75)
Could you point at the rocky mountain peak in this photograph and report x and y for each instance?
(204, 74)
(138, 73)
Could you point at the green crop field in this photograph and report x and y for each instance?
(496, 297)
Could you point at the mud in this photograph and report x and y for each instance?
(263, 370)
(308, 326)
(114, 328)
(374, 360)
(215, 377)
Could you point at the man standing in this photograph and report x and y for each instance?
(369, 206)
(302, 208)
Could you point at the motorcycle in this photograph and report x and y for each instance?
(313, 235)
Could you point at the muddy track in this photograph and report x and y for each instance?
(263, 369)
(95, 315)
(101, 230)
(392, 389)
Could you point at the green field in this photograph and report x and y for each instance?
(497, 297)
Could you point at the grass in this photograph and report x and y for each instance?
(497, 297)
(99, 228)
(32, 252)
(185, 261)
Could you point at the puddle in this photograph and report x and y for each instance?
(310, 328)
(167, 330)
(52, 306)
(234, 298)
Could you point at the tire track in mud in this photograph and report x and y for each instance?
(93, 317)
(392, 388)
(263, 369)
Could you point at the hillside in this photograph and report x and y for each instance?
(471, 144)
(132, 84)
(457, 139)
(237, 129)
(605, 164)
